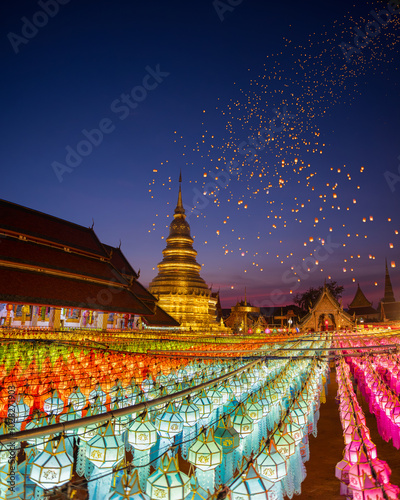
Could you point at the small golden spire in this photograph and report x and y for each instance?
(179, 210)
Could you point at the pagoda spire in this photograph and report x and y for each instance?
(179, 210)
(389, 295)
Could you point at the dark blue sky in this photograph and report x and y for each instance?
(270, 67)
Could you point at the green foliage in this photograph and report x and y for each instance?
(310, 296)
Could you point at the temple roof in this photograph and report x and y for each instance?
(389, 295)
(18, 220)
(326, 294)
(48, 261)
(359, 300)
(160, 318)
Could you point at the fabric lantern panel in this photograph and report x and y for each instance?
(52, 467)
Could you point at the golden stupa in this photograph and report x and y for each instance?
(180, 289)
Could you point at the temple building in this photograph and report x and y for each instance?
(390, 309)
(362, 308)
(178, 286)
(244, 317)
(326, 314)
(57, 274)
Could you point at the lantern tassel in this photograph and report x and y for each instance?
(206, 479)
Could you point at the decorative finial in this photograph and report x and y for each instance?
(92, 226)
(179, 210)
(245, 296)
(119, 246)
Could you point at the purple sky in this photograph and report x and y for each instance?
(256, 104)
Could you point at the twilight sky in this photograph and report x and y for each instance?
(288, 143)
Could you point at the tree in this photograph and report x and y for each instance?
(309, 297)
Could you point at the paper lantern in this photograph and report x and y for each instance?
(226, 393)
(189, 412)
(89, 431)
(241, 421)
(251, 486)
(128, 487)
(284, 443)
(18, 411)
(142, 434)
(105, 450)
(52, 467)
(204, 404)
(53, 405)
(254, 409)
(169, 423)
(226, 435)
(271, 464)
(216, 397)
(205, 453)
(168, 482)
(197, 492)
(77, 400)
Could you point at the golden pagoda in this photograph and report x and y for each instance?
(180, 289)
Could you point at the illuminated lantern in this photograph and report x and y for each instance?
(369, 491)
(204, 404)
(142, 434)
(205, 453)
(251, 485)
(169, 423)
(293, 430)
(89, 431)
(254, 409)
(53, 405)
(52, 467)
(131, 392)
(271, 464)
(226, 435)
(97, 395)
(38, 420)
(298, 415)
(168, 482)
(359, 471)
(241, 421)
(128, 487)
(226, 393)
(18, 411)
(148, 387)
(105, 450)
(216, 397)
(189, 412)
(77, 400)
(236, 387)
(196, 491)
(284, 443)
(342, 470)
